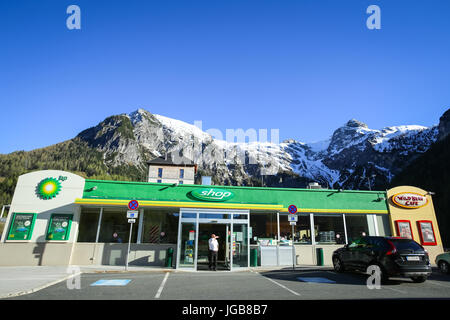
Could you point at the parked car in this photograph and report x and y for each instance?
(394, 256)
(443, 262)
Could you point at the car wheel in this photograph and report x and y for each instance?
(338, 265)
(418, 279)
(443, 267)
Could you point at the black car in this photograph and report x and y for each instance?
(394, 256)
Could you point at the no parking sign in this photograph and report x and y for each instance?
(292, 209)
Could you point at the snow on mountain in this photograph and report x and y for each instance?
(351, 157)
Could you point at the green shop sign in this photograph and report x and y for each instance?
(59, 228)
(212, 194)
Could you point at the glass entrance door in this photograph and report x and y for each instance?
(195, 229)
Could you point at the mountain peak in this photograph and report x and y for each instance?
(353, 123)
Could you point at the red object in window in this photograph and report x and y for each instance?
(399, 231)
(426, 232)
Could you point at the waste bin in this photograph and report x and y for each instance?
(254, 257)
(319, 254)
(169, 257)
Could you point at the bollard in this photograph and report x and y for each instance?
(169, 257)
(254, 257)
(319, 254)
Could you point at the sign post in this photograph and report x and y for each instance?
(293, 221)
(132, 214)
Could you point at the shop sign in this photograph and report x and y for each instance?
(49, 188)
(410, 200)
(212, 194)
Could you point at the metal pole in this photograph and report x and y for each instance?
(293, 249)
(129, 242)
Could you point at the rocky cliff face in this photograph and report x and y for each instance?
(355, 157)
(444, 125)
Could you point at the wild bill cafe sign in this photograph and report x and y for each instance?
(410, 200)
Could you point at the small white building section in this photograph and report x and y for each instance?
(42, 197)
(171, 170)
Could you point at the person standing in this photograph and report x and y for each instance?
(213, 251)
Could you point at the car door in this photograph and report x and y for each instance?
(360, 254)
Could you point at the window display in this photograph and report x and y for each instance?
(404, 229)
(426, 233)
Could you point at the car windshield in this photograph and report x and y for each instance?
(406, 244)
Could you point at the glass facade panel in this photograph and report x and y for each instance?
(302, 230)
(87, 229)
(115, 227)
(356, 225)
(264, 227)
(187, 238)
(329, 229)
(239, 245)
(160, 226)
(384, 228)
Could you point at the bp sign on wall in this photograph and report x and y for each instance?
(212, 194)
(49, 188)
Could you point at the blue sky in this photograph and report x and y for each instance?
(303, 67)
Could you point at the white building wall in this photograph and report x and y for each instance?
(171, 174)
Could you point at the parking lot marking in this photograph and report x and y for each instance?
(315, 279)
(438, 284)
(111, 282)
(399, 291)
(284, 287)
(158, 294)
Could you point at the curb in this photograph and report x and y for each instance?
(21, 293)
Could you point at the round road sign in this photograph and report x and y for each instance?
(133, 205)
(292, 209)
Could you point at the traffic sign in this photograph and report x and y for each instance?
(133, 205)
(293, 223)
(292, 218)
(131, 220)
(292, 209)
(132, 214)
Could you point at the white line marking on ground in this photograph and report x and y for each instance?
(400, 291)
(284, 287)
(158, 294)
(437, 283)
(21, 293)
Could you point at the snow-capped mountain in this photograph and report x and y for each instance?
(354, 157)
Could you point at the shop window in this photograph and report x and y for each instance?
(160, 227)
(383, 224)
(87, 228)
(115, 227)
(329, 229)
(357, 226)
(302, 229)
(264, 228)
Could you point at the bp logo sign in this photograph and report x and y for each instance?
(49, 188)
(212, 194)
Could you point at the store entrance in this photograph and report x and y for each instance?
(223, 257)
(194, 230)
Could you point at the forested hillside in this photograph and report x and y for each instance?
(73, 155)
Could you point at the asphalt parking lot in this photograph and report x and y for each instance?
(323, 284)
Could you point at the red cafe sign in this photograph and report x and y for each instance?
(410, 200)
